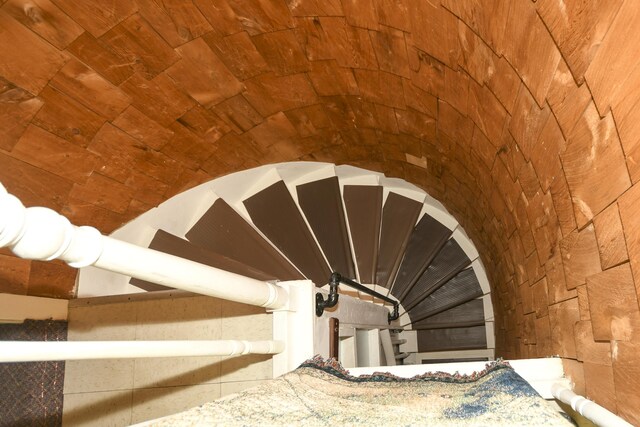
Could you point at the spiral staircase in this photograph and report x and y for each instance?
(302, 220)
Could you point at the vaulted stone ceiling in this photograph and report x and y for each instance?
(518, 115)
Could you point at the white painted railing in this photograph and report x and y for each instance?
(30, 351)
(588, 409)
(43, 234)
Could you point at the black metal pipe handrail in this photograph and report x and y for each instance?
(332, 298)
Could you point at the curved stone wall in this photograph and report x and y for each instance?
(518, 115)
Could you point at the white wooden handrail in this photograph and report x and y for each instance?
(32, 351)
(43, 234)
(588, 409)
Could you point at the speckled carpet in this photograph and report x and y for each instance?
(31, 393)
(321, 393)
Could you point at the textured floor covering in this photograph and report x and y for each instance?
(321, 393)
(31, 393)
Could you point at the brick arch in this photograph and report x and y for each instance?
(518, 115)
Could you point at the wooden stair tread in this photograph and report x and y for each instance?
(363, 204)
(321, 203)
(470, 313)
(275, 213)
(399, 217)
(466, 338)
(174, 245)
(222, 230)
(426, 240)
(449, 262)
(463, 287)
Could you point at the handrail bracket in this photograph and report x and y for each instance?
(332, 298)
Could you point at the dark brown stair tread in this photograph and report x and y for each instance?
(425, 242)
(450, 261)
(473, 337)
(321, 203)
(463, 287)
(470, 313)
(275, 213)
(222, 230)
(363, 204)
(174, 245)
(399, 217)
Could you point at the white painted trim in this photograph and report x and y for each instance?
(351, 175)
(349, 311)
(437, 210)
(295, 325)
(348, 350)
(488, 307)
(491, 335)
(302, 174)
(456, 354)
(408, 193)
(18, 308)
(94, 282)
(440, 215)
(368, 347)
(411, 346)
(387, 347)
(404, 188)
(241, 189)
(481, 275)
(404, 319)
(588, 409)
(465, 243)
(37, 351)
(181, 212)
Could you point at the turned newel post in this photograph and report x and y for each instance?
(43, 234)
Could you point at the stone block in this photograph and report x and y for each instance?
(594, 155)
(626, 376)
(562, 318)
(610, 236)
(588, 350)
(27, 52)
(282, 52)
(613, 304)
(238, 53)
(580, 256)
